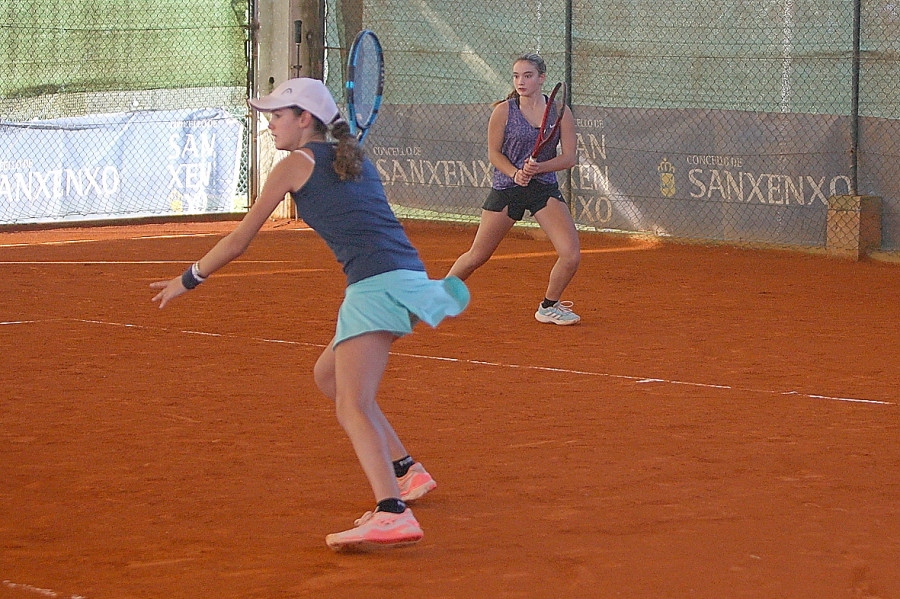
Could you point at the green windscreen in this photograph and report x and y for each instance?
(65, 46)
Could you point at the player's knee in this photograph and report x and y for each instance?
(342, 412)
(350, 412)
(576, 258)
(324, 378)
(477, 259)
(570, 259)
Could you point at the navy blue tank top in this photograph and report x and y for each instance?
(354, 219)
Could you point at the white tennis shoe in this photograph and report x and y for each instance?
(378, 530)
(559, 313)
(415, 483)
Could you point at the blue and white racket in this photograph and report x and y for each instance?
(365, 82)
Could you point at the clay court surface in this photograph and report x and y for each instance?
(725, 423)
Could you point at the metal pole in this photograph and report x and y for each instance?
(854, 101)
(298, 41)
(569, 48)
(252, 86)
(568, 78)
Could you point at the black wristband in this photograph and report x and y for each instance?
(189, 280)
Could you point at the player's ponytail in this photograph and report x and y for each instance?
(348, 156)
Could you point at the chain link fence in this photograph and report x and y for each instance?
(725, 121)
(735, 121)
(115, 108)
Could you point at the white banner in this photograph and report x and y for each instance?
(152, 163)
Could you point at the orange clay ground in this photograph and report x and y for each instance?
(724, 424)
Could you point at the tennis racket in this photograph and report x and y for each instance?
(553, 114)
(365, 82)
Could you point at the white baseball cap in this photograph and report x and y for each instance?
(303, 92)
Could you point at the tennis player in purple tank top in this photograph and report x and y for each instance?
(519, 184)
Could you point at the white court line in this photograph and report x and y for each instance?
(641, 380)
(71, 241)
(26, 244)
(139, 237)
(37, 590)
(174, 236)
(80, 262)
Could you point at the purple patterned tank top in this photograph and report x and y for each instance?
(519, 138)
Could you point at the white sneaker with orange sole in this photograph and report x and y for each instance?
(415, 483)
(378, 530)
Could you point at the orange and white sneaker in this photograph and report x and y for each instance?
(415, 483)
(378, 530)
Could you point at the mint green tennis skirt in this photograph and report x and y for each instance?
(395, 301)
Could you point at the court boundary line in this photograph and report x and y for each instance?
(37, 590)
(640, 380)
(99, 239)
(82, 262)
(495, 257)
(131, 238)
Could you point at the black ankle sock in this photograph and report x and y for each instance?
(401, 466)
(547, 303)
(391, 505)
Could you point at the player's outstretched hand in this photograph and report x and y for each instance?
(170, 290)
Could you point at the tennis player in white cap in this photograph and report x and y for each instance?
(339, 194)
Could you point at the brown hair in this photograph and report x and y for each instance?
(348, 156)
(536, 61)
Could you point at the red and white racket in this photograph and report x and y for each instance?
(550, 122)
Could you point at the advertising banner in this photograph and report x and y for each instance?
(712, 174)
(151, 163)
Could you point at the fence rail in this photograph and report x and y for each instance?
(116, 108)
(724, 121)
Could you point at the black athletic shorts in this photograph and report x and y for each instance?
(519, 199)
